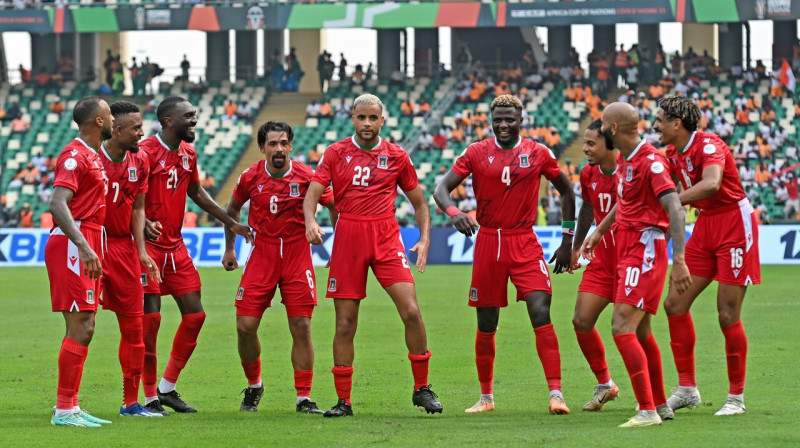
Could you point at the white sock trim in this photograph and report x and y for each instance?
(555, 393)
(165, 386)
(302, 399)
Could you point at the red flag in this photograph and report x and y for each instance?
(786, 77)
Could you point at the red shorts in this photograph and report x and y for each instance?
(122, 278)
(361, 242)
(178, 274)
(500, 254)
(274, 263)
(724, 245)
(598, 277)
(642, 261)
(70, 289)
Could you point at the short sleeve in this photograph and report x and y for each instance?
(144, 174)
(69, 170)
(585, 173)
(407, 180)
(195, 172)
(324, 171)
(241, 192)
(550, 168)
(327, 196)
(463, 165)
(660, 180)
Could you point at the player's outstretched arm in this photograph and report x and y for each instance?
(60, 209)
(585, 220)
(201, 197)
(563, 255)
(679, 278)
(234, 210)
(587, 248)
(423, 217)
(707, 187)
(461, 221)
(138, 224)
(313, 231)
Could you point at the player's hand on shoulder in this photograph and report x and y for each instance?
(152, 230)
(243, 230)
(465, 224)
(229, 261)
(314, 233)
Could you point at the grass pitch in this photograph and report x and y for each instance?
(30, 336)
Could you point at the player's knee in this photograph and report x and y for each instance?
(301, 329)
(727, 317)
(582, 324)
(246, 329)
(672, 306)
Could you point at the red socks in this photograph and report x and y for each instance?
(183, 345)
(70, 368)
(419, 368)
(595, 352)
(302, 382)
(252, 370)
(547, 348)
(682, 339)
(343, 381)
(654, 366)
(131, 357)
(736, 351)
(151, 323)
(636, 363)
(484, 360)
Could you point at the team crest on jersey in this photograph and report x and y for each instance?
(332, 284)
(240, 293)
(383, 162)
(473, 294)
(689, 166)
(185, 162)
(260, 187)
(294, 189)
(629, 174)
(70, 164)
(90, 296)
(144, 279)
(491, 159)
(348, 158)
(524, 161)
(132, 175)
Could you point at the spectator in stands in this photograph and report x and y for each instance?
(632, 76)
(325, 109)
(209, 183)
(342, 67)
(359, 77)
(314, 157)
(190, 219)
(46, 220)
(20, 125)
(322, 69)
(185, 65)
(440, 139)
(13, 112)
(792, 207)
(25, 216)
(342, 110)
(425, 141)
(24, 74)
(742, 116)
(45, 190)
(620, 64)
(57, 106)
(740, 100)
(230, 111)
(313, 110)
(407, 108)
(423, 108)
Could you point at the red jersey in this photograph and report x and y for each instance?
(641, 178)
(126, 179)
(171, 172)
(506, 181)
(704, 149)
(599, 189)
(80, 169)
(276, 203)
(365, 181)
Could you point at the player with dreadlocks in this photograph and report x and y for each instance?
(723, 247)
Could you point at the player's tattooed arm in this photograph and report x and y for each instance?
(679, 277)
(200, 196)
(563, 255)
(313, 231)
(59, 207)
(585, 220)
(234, 210)
(461, 221)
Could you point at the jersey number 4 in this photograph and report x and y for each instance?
(506, 176)
(361, 176)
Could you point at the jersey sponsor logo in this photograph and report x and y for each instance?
(332, 284)
(185, 162)
(383, 162)
(72, 260)
(240, 293)
(491, 159)
(689, 166)
(260, 188)
(473, 294)
(348, 158)
(629, 174)
(144, 279)
(294, 189)
(132, 175)
(90, 296)
(524, 161)
(709, 149)
(657, 167)
(70, 164)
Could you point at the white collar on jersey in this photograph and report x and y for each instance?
(105, 153)
(166, 146)
(635, 150)
(85, 144)
(266, 168)
(689, 143)
(355, 142)
(519, 142)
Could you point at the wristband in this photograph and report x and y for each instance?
(568, 228)
(568, 232)
(452, 211)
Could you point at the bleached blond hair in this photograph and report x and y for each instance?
(367, 98)
(507, 101)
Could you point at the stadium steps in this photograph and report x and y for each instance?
(288, 107)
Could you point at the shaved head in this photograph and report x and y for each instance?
(620, 125)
